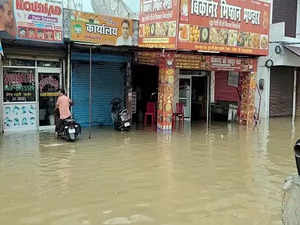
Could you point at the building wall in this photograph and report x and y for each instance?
(286, 11)
(298, 20)
(1, 97)
(263, 73)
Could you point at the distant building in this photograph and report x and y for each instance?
(113, 8)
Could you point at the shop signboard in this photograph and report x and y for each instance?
(39, 20)
(231, 26)
(158, 23)
(103, 30)
(202, 62)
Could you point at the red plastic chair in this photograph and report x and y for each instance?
(151, 111)
(179, 112)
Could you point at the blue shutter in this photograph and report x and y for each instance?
(107, 83)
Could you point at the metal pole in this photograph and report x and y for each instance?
(69, 70)
(90, 97)
(208, 100)
(295, 94)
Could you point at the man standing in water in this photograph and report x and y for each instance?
(125, 38)
(63, 105)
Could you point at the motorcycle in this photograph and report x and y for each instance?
(69, 129)
(119, 115)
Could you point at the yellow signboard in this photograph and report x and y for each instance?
(103, 30)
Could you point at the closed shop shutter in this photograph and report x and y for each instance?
(281, 91)
(223, 92)
(107, 83)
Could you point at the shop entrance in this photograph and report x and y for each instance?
(30, 93)
(48, 89)
(199, 98)
(49, 81)
(145, 89)
(193, 94)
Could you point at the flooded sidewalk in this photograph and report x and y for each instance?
(222, 176)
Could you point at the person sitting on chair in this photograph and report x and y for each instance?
(63, 105)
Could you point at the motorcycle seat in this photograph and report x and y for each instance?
(69, 121)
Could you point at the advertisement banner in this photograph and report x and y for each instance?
(7, 20)
(158, 23)
(39, 20)
(103, 30)
(232, 26)
(19, 116)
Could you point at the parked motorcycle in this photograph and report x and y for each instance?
(119, 115)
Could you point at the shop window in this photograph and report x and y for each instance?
(5, 62)
(22, 62)
(51, 64)
(18, 85)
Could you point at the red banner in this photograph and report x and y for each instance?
(232, 26)
(158, 23)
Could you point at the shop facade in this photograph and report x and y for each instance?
(226, 80)
(100, 59)
(32, 65)
(279, 71)
(108, 81)
(213, 43)
(30, 81)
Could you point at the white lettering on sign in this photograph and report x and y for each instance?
(102, 29)
(230, 12)
(205, 8)
(209, 8)
(252, 16)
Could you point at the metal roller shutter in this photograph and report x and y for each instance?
(281, 91)
(107, 83)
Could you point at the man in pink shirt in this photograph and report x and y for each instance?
(63, 104)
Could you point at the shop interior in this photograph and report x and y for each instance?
(145, 87)
(199, 98)
(226, 96)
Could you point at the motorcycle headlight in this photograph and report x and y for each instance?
(66, 127)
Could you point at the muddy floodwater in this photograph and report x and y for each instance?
(226, 175)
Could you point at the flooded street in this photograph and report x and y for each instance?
(227, 175)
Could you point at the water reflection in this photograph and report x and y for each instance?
(223, 175)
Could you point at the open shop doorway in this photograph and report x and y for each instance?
(145, 89)
(199, 98)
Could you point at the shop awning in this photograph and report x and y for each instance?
(293, 49)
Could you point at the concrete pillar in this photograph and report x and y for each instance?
(166, 85)
(176, 88)
(263, 73)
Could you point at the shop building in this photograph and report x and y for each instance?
(279, 70)
(100, 59)
(33, 67)
(209, 47)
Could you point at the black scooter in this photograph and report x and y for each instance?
(69, 129)
(119, 115)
